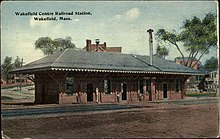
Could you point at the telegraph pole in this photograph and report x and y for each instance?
(20, 75)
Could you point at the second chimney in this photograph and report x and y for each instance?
(88, 45)
(151, 45)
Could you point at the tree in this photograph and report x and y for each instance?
(49, 46)
(211, 64)
(6, 67)
(64, 43)
(161, 51)
(17, 63)
(197, 36)
(46, 45)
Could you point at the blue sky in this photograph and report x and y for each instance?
(119, 24)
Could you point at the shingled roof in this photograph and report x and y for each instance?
(72, 60)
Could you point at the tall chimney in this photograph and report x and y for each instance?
(88, 45)
(150, 45)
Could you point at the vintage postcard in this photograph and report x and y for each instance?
(99, 69)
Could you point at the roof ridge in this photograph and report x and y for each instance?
(135, 56)
(60, 56)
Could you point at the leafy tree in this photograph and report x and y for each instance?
(17, 63)
(6, 67)
(64, 43)
(49, 46)
(46, 45)
(197, 36)
(161, 51)
(211, 64)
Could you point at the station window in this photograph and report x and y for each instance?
(141, 86)
(70, 90)
(107, 86)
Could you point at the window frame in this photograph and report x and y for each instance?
(141, 86)
(107, 86)
(70, 86)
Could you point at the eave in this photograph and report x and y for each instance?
(32, 71)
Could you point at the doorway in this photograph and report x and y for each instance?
(43, 93)
(124, 91)
(89, 92)
(165, 89)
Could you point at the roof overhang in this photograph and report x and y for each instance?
(32, 71)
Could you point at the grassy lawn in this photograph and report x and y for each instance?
(6, 98)
(17, 86)
(204, 94)
(14, 93)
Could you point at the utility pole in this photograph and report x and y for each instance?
(20, 75)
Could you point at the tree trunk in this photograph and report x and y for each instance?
(199, 58)
(193, 57)
(191, 53)
(174, 43)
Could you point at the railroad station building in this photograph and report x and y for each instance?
(72, 76)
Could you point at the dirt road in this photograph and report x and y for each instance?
(164, 120)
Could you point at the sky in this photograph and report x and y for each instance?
(119, 24)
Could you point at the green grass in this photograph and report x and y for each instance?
(8, 87)
(201, 95)
(6, 98)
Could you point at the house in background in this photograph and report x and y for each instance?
(97, 47)
(193, 81)
(190, 62)
(212, 81)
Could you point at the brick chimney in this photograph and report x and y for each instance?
(150, 45)
(88, 45)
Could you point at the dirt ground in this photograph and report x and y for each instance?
(161, 120)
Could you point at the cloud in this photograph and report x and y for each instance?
(129, 15)
(118, 16)
(132, 14)
(76, 20)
